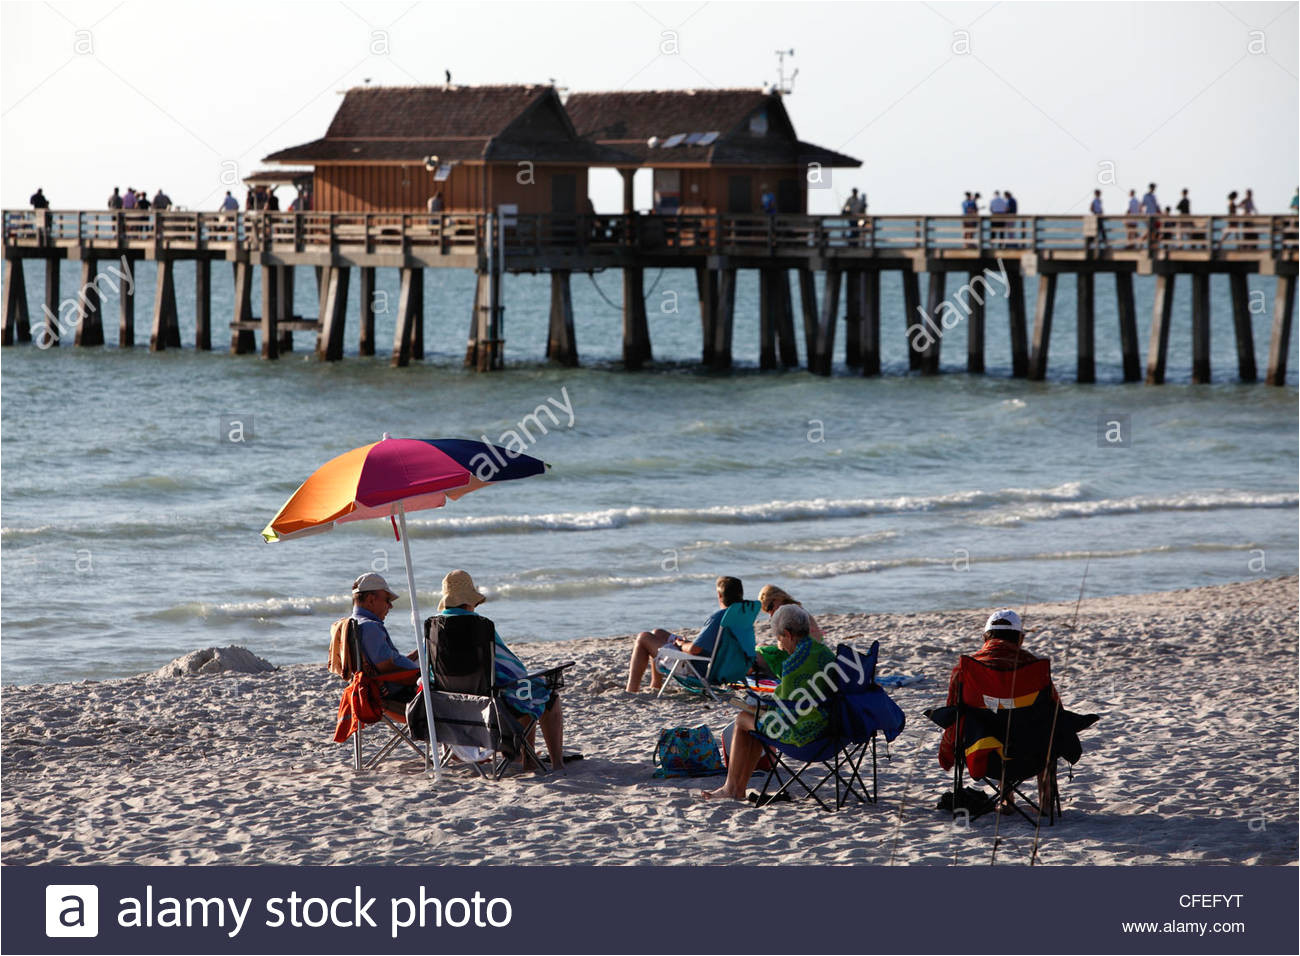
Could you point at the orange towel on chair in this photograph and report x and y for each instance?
(360, 704)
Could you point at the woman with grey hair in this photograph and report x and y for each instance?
(795, 725)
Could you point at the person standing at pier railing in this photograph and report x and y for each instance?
(1134, 208)
(1095, 206)
(161, 201)
(997, 206)
(128, 200)
(38, 199)
(1184, 206)
(115, 200)
(1150, 204)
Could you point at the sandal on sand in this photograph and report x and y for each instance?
(762, 800)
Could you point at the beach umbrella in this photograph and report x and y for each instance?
(386, 479)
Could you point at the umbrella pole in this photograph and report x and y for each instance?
(419, 645)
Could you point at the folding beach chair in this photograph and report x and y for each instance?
(1006, 729)
(857, 709)
(469, 708)
(363, 700)
(732, 657)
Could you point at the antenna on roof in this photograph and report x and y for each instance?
(555, 85)
(784, 87)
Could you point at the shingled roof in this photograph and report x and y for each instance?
(627, 120)
(492, 123)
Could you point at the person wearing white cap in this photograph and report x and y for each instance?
(1003, 633)
(372, 599)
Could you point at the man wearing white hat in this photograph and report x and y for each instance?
(372, 599)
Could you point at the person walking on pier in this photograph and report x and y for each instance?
(115, 200)
(38, 199)
(1150, 204)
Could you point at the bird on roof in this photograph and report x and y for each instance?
(447, 73)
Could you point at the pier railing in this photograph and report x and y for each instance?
(436, 234)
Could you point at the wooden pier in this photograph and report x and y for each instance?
(849, 253)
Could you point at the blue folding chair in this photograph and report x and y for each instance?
(857, 710)
(733, 654)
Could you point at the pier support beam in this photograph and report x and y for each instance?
(636, 331)
(975, 323)
(1161, 313)
(853, 319)
(90, 320)
(1283, 314)
(1246, 370)
(1016, 318)
(51, 336)
(724, 318)
(407, 300)
(934, 305)
(912, 318)
(706, 288)
(768, 307)
(126, 304)
(366, 340)
(270, 322)
(825, 351)
(1085, 318)
(484, 351)
(284, 305)
(1201, 328)
(164, 306)
(17, 318)
(870, 322)
(808, 303)
(203, 305)
(242, 340)
(786, 341)
(1042, 326)
(417, 314)
(561, 343)
(334, 314)
(1128, 332)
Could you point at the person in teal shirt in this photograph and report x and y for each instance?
(459, 597)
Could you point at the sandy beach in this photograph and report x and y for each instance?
(1194, 760)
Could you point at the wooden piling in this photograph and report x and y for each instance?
(767, 307)
(203, 305)
(1246, 370)
(870, 322)
(51, 336)
(476, 320)
(16, 315)
(406, 319)
(90, 321)
(126, 304)
(1128, 333)
(934, 305)
(975, 323)
(1016, 318)
(825, 352)
(417, 314)
(1042, 326)
(284, 305)
(242, 340)
(706, 287)
(334, 314)
(561, 343)
(787, 345)
(1201, 327)
(853, 318)
(1161, 313)
(636, 330)
(1280, 343)
(724, 319)
(1085, 320)
(164, 305)
(270, 322)
(912, 317)
(808, 304)
(366, 340)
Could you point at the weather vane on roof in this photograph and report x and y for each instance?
(783, 86)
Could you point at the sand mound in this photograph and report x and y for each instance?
(215, 660)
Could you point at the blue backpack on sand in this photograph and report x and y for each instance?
(687, 752)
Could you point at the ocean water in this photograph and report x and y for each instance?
(131, 528)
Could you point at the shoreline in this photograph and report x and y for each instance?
(1194, 760)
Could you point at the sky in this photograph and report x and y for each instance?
(1050, 100)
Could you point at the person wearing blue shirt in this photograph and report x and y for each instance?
(1150, 205)
(1095, 208)
(372, 599)
(648, 643)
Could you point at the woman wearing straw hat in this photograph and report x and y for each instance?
(460, 597)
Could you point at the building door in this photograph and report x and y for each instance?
(740, 194)
(788, 199)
